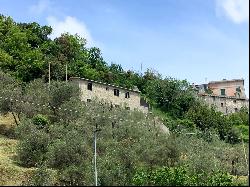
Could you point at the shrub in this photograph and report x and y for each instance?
(75, 176)
(233, 135)
(165, 176)
(180, 124)
(179, 176)
(40, 121)
(220, 178)
(207, 118)
(32, 148)
(244, 131)
(43, 177)
(70, 150)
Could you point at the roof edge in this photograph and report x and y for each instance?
(228, 97)
(71, 78)
(222, 81)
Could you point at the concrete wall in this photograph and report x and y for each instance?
(105, 93)
(225, 104)
(229, 86)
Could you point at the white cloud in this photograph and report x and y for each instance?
(70, 25)
(236, 10)
(40, 7)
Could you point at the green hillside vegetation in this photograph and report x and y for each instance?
(10, 172)
(47, 132)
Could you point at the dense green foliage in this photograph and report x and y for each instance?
(26, 51)
(55, 128)
(179, 176)
(208, 118)
(62, 140)
(65, 144)
(171, 95)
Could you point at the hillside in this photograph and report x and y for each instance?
(49, 128)
(10, 172)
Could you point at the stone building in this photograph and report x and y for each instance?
(225, 104)
(227, 95)
(114, 95)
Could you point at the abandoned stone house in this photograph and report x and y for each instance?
(227, 95)
(114, 95)
(225, 104)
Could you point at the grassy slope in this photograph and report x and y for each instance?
(10, 172)
(243, 180)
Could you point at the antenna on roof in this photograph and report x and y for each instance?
(205, 79)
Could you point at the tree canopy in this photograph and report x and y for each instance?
(55, 129)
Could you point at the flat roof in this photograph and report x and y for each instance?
(222, 81)
(103, 83)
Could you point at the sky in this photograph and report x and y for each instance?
(196, 40)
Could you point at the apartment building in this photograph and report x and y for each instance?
(227, 95)
(230, 88)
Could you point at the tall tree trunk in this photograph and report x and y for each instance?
(14, 118)
(13, 113)
(18, 116)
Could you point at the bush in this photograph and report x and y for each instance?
(165, 176)
(244, 131)
(62, 92)
(43, 177)
(220, 178)
(31, 149)
(240, 118)
(233, 136)
(70, 150)
(240, 181)
(75, 176)
(40, 121)
(179, 176)
(180, 125)
(206, 118)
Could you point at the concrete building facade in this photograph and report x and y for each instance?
(230, 88)
(227, 95)
(111, 94)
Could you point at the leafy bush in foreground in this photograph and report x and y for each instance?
(179, 176)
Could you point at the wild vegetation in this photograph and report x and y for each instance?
(53, 130)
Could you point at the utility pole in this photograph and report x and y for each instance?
(95, 167)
